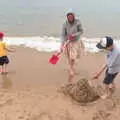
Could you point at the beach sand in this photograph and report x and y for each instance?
(30, 89)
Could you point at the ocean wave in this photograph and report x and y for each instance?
(50, 44)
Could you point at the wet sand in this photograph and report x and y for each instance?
(31, 68)
(30, 89)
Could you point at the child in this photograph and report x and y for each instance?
(3, 54)
(112, 66)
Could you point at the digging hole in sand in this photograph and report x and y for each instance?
(81, 91)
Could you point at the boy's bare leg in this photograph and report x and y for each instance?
(5, 68)
(112, 88)
(1, 69)
(106, 92)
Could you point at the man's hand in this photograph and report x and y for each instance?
(63, 45)
(71, 37)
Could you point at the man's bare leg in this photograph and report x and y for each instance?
(71, 70)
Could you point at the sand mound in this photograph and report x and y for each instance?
(42, 116)
(80, 92)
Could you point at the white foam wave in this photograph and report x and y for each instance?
(49, 44)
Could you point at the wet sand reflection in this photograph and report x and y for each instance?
(6, 82)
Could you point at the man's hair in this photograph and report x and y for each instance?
(70, 13)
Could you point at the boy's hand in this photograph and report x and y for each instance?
(96, 76)
(12, 50)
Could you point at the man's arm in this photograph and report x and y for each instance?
(63, 37)
(79, 30)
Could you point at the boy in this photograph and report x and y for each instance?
(112, 66)
(3, 55)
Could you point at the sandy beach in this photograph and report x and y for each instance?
(30, 89)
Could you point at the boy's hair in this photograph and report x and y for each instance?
(105, 43)
(109, 41)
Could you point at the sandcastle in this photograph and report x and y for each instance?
(81, 91)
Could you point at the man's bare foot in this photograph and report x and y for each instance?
(105, 96)
(70, 79)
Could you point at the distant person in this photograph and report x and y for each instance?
(112, 66)
(3, 54)
(70, 42)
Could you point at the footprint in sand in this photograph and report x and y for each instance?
(101, 115)
(43, 116)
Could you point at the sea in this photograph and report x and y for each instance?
(37, 23)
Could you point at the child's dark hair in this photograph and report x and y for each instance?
(109, 41)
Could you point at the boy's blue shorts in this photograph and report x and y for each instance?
(109, 78)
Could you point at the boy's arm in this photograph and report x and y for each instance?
(112, 61)
(9, 50)
(100, 71)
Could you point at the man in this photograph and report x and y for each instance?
(112, 66)
(70, 41)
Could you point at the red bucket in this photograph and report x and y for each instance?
(54, 59)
